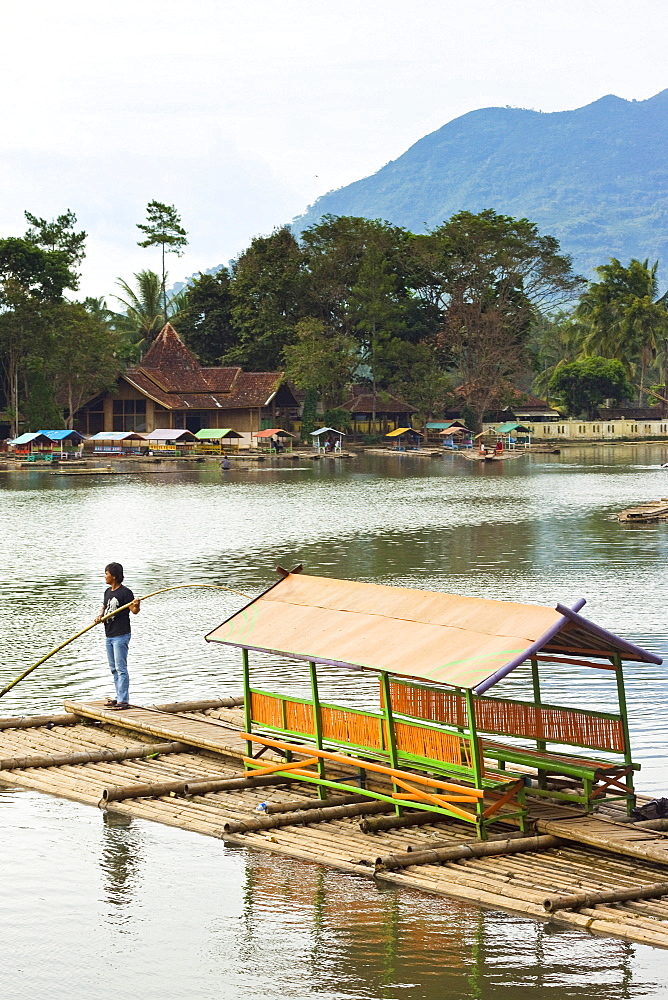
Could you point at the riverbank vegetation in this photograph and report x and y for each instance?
(471, 312)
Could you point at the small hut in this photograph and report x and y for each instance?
(273, 440)
(117, 443)
(33, 445)
(327, 439)
(512, 433)
(170, 441)
(66, 442)
(457, 436)
(405, 439)
(433, 428)
(212, 440)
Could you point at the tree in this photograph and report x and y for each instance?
(163, 228)
(555, 338)
(83, 360)
(623, 316)
(584, 385)
(205, 318)
(336, 249)
(491, 276)
(414, 373)
(376, 313)
(144, 316)
(320, 360)
(35, 270)
(267, 300)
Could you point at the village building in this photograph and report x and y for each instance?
(170, 389)
(389, 411)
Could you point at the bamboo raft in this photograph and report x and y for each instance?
(181, 765)
(475, 456)
(656, 510)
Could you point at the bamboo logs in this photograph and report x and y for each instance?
(340, 800)
(184, 786)
(33, 721)
(486, 849)
(590, 899)
(650, 824)
(199, 706)
(397, 822)
(91, 756)
(200, 786)
(306, 816)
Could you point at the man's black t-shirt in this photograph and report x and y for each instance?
(120, 623)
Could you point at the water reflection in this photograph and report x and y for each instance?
(120, 859)
(373, 941)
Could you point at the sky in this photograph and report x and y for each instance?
(242, 112)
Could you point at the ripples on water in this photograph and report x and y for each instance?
(178, 915)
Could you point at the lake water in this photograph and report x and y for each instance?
(135, 909)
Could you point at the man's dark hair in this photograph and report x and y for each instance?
(116, 571)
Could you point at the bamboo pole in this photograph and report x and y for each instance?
(202, 786)
(145, 790)
(56, 649)
(34, 721)
(311, 816)
(397, 822)
(91, 756)
(590, 899)
(488, 848)
(649, 824)
(199, 706)
(342, 800)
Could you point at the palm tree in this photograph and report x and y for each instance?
(143, 316)
(623, 317)
(555, 339)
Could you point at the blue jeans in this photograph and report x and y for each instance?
(117, 654)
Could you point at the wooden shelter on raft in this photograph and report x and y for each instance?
(212, 440)
(405, 439)
(166, 441)
(435, 734)
(273, 440)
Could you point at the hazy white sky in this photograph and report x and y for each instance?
(241, 112)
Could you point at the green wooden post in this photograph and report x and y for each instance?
(248, 707)
(389, 726)
(541, 745)
(476, 757)
(317, 726)
(628, 757)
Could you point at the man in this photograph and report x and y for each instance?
(117, 630)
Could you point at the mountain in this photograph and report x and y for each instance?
(596, 178)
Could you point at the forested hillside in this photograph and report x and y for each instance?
(596, 177)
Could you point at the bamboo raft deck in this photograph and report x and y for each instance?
(591, 854)
(647, 513)
(474, 456)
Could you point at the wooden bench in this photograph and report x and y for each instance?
(595, 778)
(363, 737)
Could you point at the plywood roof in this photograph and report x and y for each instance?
(466, 642)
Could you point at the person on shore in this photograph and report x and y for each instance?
(225, 465)
(117, 632)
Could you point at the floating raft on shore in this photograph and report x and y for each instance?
(181, 765)
(655, 510)
(475, 456)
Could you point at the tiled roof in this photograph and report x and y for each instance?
(220, 379)
(171, 375)
(630, 412)
(385, 402)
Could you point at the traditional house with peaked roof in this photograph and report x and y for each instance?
(390, 411)
(170, 389)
